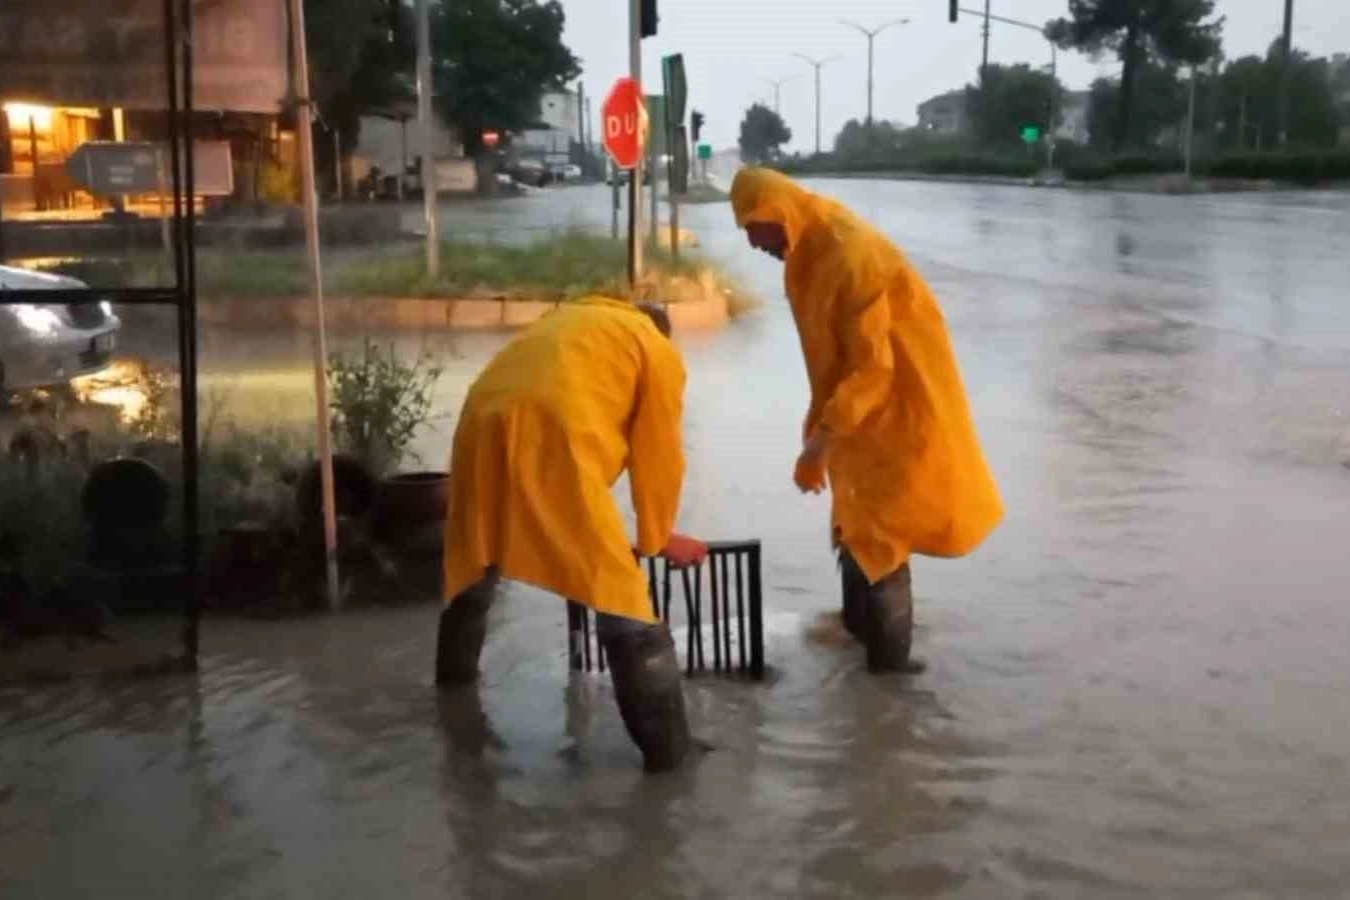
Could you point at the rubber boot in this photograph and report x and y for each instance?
(890, 624)
(854, 585)
(649, 688)
(463, 629)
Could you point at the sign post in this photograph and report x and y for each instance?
(625, 130)
(677, 143)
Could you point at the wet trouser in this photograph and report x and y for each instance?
(879, 614)
(644, 670)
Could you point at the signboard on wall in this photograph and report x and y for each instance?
(105, 168)
(111, 53)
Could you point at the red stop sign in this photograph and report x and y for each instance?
(625, 120)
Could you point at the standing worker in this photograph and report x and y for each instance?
(889, 422)
(546, 430)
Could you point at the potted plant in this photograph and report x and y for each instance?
(379, 403)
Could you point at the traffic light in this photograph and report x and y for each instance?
(649, 19)
(696, 123)
(952, 10)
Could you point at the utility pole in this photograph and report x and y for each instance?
(871, 35)
(424, 125)
(635, 179)
(984, 58)
(816, 64)
(304, 132)
(1286, 70)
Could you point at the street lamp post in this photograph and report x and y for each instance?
(816, 64)
(778, 93)
(1286, 70)
(871, 35)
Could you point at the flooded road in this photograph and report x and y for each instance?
(1137, 687)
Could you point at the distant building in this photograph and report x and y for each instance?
(551, 139)
(944, 114)
(1073, 117)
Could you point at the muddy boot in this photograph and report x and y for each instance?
(463, 629)
(854, 584)
(890, 625)
(649, 687)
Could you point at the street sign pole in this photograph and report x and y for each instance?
(677, 147)
(635, 181)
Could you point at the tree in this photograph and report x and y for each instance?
(763, 132)
(361, 56)
(1137, 31)
(1248, 102)
(1160, 99)
(859, 142)
(493, 60)
(1008, 99)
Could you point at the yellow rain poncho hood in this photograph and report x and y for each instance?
(548, 427)
(906, 470)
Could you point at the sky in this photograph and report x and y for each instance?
(733, 48)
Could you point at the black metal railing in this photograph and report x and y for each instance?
(733, 617)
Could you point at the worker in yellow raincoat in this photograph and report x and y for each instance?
(590, 390)
(889, 423)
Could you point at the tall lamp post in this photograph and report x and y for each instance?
(1286, 70)
(778, 92)
(816, 64)
(871, 35)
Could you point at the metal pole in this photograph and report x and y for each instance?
(1054, 118)
(1190, 125)
(984, 57)
(424, 89)
(635, 179)
(871, 35)
(305, 134)
(337, 163)
(674, 209)
(653, 195)
(1286, 70)
(817, 65)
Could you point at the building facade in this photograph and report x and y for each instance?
(944, 114)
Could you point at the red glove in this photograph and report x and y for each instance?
(683, 551)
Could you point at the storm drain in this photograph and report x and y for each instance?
(722, 636)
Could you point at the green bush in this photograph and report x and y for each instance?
(1297, 166)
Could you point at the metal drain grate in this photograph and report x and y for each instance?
(732, 620)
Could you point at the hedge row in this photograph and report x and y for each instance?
(1300, 167)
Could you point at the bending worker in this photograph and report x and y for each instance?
(546, 430)
(889, 423)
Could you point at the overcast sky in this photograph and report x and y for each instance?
(733, 47)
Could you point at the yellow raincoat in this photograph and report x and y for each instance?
(546, 430)
(905, 466)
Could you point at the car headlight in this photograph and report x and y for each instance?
(37, 319)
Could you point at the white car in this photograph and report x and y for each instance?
(48, 344)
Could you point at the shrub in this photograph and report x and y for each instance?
(379, 403)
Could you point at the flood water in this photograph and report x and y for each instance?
(1137, 686)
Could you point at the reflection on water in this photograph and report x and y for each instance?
(1137, 685)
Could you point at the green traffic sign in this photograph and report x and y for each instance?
(1031, 134)
(705, 151)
